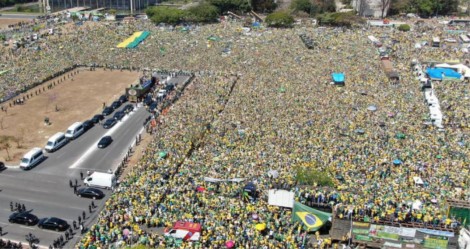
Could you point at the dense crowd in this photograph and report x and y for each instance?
(269, 105)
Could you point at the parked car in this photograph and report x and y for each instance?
(110, 122)
(116, 104)
(119, 115)
(123, 99)
(23, 218)
(97, 118)
(105, 141)
(128, 108)
(2, 166)
(53, 223)
(90, 193)
(107, 111)
(88, 124)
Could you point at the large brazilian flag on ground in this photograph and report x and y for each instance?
(312, 219)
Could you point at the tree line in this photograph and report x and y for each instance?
(8, 3)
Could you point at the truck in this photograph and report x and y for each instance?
(100, 179)
(185, 230)
(389, 70)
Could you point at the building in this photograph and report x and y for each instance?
(371, 8)
(137, 5)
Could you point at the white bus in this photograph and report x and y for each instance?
(436, 42)
(464, 38)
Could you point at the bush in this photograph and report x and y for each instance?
(203, 13)
(236, 6)
(164, 14)
(280, 19)
(308, 175)
(404, 27)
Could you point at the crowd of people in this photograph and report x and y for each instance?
(269, 105)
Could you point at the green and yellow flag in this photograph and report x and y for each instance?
(312, 219)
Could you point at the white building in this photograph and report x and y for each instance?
(370, 7)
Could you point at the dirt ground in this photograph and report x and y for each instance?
(4, 22)
(77, 98)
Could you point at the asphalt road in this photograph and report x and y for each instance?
(45, 190)
(18, 16)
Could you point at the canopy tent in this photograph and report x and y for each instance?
(439, 73)
(338, 78)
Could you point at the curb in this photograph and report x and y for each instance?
(12, 166)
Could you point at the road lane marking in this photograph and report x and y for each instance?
(108, 133)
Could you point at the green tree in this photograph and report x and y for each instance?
(6, 145)
(236, 6)
(280, 19)
(302, 5)
(263, 5)
(308, 175)
(205, 12)
(164, 14)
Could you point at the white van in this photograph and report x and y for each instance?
(74, 130)
(55, 142)
(99, 179)
(32, 158)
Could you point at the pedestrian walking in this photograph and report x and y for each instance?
(81, 228)
(81, 175)
(70, 232)
(23, 208)
(1, 231)
(76, 182)
(84, 215)
(74, 225)
(61, 239)
(79, 219)
(67, 235)
(70, 183)
(11, 206)
(75, 189)
(89, 208)
(92, 204)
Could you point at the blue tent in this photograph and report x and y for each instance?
(338, 78)
(436, 73)
(256, 24)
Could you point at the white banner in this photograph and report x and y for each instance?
(281, 198)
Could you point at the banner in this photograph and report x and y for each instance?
(362, 237)
(435, 242)
(381, 232)
(311, 218)
(281, 198)
(360, 231)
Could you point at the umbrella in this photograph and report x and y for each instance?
(397, 161)
(273, 173)
(200, 189)
(439, 157)
(230, 244)
(254, 216)
(162, 154)
(372, 108)
(126, 232)
(260, 226)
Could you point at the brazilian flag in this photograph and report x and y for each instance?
(311, 218)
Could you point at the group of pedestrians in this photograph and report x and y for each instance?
(266, 106)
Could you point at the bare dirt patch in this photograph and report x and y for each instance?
(4, 22)
(77, 98)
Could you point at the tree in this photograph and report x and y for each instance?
(384, 5)
(302, 5)
(236, 6)
(164, 14)
(310, 174)
(5, 145)
(404, 27)
(280, 19)
(112, 12)
(263, 5)
(203, 13)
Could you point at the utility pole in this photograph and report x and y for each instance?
(132, 8)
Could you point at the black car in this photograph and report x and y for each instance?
(119, 115)
(88, 125)
(105, 141)
(97, 118)
(90, 193)
(116, 104)
(2, 166)
(110, 122)
(53, 223)
(24, 218)
(128, 108)
(123, 99)
(107, 111)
